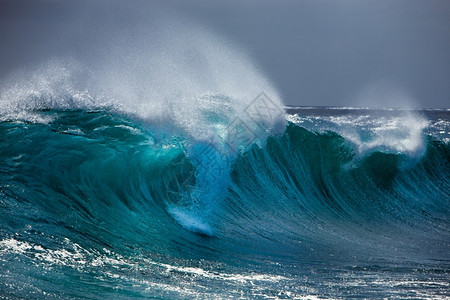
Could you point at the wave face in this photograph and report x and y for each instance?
(98, 202)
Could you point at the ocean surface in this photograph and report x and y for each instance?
(257, 201)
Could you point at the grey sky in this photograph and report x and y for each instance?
(318, 52)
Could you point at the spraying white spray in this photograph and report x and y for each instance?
(182, 79)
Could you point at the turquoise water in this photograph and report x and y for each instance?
(338, 203)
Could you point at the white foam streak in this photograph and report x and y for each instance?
(403, 134)
(398, 132)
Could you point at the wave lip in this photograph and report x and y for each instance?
(394, 131)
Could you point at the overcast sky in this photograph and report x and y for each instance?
(316, 52)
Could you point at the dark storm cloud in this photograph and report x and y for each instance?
(316, 52)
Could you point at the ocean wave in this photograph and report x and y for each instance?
(96, 162)
(91, 185)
